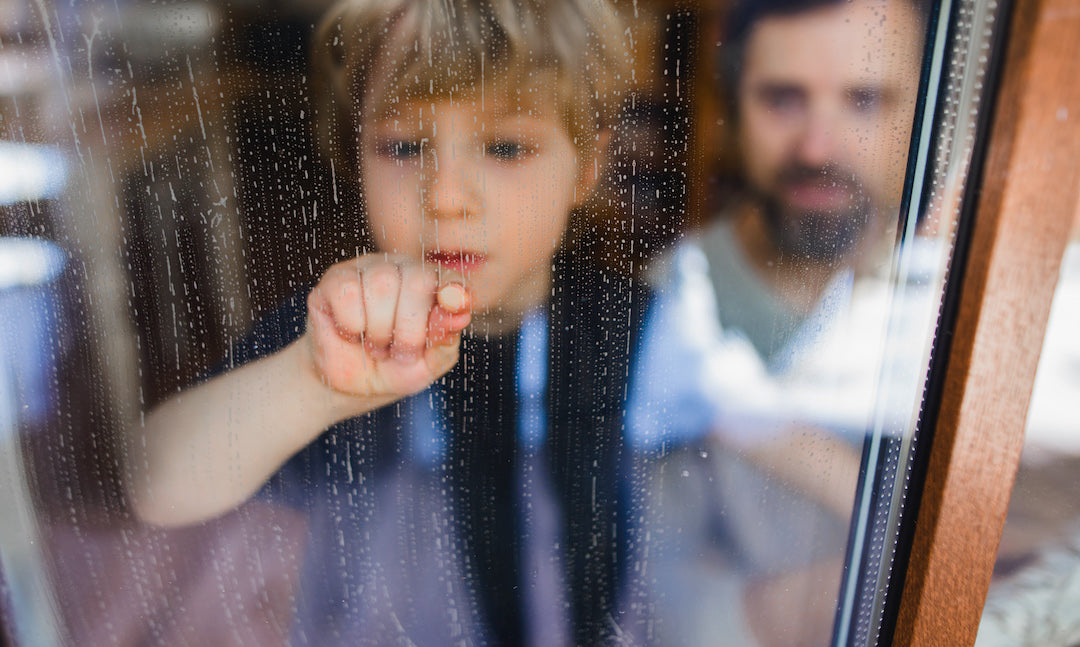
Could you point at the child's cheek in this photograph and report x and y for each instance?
(484, 295)
(394, 207)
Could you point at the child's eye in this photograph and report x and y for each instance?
(506, 151)
(399, 149)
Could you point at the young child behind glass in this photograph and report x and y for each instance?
(472, 130)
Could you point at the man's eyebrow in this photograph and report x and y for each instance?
(773, 87)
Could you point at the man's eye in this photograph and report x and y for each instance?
(782, 99)
(865, 99)
(506, 151)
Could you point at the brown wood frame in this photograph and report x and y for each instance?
(1027, 205)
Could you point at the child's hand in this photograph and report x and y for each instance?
(384, 328)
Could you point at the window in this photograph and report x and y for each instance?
(704, 260)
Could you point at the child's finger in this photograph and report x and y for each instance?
(415, 301)
(338, 294)
(454, 298)
(441, 357)
(444, 326)
(331, 343)
(320, 318)
(381, 286)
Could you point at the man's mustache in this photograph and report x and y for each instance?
(825, 176)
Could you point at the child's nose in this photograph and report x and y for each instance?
(453, 188)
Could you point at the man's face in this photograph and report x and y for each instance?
(825, 104)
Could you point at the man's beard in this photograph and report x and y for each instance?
(818, 235)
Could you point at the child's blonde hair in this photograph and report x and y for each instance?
(568, 54)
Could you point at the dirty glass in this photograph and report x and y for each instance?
(499, 322)
(1036, 583)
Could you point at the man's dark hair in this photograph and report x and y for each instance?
(742, 17)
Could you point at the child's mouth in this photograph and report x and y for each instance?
(463, 262)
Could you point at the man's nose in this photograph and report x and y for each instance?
(452, 186)
(819, 142)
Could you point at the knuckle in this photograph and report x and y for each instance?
(381, 282)
(417, 281)
(348, 290)
(314, 300)
(340, 272)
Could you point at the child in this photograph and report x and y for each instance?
(460, 488)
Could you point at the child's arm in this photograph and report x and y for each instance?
(377, 331)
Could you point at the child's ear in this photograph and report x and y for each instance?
(591, 166)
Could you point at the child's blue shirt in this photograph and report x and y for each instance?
(387, 560)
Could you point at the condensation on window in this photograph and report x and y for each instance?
(491, 322)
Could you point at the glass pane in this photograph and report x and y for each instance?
(1032, 598)
(496, 322)
(943, 172)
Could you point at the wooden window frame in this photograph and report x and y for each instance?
(1023, 216)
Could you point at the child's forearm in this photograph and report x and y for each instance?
(376, 333)
(210, 448)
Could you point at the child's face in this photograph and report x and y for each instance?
(482, 194)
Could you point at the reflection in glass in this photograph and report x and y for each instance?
(263, 426)
(29, 322)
